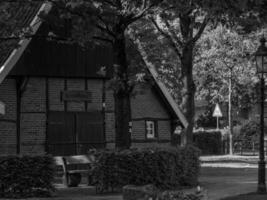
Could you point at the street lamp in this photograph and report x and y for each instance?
(261, 63)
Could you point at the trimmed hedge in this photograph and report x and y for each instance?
(26, 176)
(210, 143)
(166, 168)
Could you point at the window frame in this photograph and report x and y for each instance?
(155, 128)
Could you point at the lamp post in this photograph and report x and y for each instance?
(261, 63)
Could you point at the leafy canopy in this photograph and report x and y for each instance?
(100, 20)
(223, 54)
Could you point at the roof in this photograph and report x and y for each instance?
(49, 58)
(21, 15)
(161, 85)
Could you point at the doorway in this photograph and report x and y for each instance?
(71, 133)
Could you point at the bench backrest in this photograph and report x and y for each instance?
(58, 160)
(79, 159)
(60, 165)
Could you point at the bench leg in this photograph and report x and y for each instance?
(73, 180)
(65, 179)
(89, 179)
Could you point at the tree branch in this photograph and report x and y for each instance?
(200, 30)
(174, 35)
(101, 28)
(67, 9)
(228, 66)
(144, 4)
(135, 17)
(103, 39)
(109, 3)
(168, 37)
(145, 9)
(118, 4)
(106, 29)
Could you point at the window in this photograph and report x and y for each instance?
(150, 129)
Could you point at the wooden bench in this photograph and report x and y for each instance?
(73, 167)
(58, 160)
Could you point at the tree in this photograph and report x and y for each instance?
(182, 23)
(225, 56)
(106, 21)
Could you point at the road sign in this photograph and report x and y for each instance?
(2, 108)
(217, 111)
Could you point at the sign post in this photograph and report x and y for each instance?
(217, 113)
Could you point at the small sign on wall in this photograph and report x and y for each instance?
(77, 95)
(2, 108)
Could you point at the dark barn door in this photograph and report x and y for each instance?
(74, 133)
(89, 127)
(61, 133)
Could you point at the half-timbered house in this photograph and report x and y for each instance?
(54, 100)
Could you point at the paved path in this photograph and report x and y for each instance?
(227, 161)
(225, 182)
(237, 165)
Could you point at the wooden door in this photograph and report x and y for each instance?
(74, 133)
(90, 133)
(61, 137)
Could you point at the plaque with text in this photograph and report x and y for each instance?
(77, 95)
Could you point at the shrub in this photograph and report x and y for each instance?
(165, 168)
(179, 195)
(131, 192)
(206, 120)
(210, 143)
(26, 176)
(249, 134)
(249, 131)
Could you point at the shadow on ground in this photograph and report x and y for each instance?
(250, 196)
(223, 183)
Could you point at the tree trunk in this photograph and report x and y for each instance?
(188, 94)
(188, 91)
(230, 116)
(122, 92)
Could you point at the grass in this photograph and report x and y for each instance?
(251, 196)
